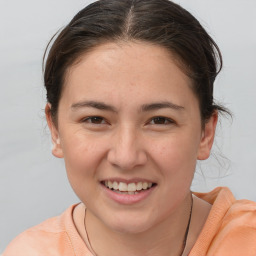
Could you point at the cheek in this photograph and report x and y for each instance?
(82, 159)
(176, 157)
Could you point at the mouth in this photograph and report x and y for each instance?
(132, 188)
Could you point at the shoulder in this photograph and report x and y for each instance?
(230, 228)
(48, 238)
(237, 229)
(228, 210)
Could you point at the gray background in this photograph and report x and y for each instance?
(33, 185)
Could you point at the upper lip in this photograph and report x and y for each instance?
(132, 180)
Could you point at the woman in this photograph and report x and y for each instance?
(130, 109)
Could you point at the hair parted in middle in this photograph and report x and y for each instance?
(159, 22)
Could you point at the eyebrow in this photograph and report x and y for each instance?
(144, 108)
(93, 104)
(160, 105)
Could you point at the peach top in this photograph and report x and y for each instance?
(230, 230)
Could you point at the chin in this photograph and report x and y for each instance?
(131, 224)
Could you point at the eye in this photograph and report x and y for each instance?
(94, 120)
(159, 120)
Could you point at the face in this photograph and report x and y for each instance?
(129, 129)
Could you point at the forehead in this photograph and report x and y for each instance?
(116, 68)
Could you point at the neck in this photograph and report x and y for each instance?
(165, 238)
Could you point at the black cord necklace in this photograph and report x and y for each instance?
(187, 229)
(184, 240)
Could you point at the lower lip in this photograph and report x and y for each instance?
(126, 198)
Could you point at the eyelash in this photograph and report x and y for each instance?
(97, 120)
(166, 120)
(90, 120)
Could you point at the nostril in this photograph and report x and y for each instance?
(127, 159)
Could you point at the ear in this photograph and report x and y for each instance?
(207, 137)
(56, 145)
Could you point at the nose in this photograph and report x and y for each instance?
(126, 149)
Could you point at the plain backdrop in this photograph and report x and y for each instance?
(33, 184)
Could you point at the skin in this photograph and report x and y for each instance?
(129, 141)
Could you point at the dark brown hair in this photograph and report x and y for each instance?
(160, 22)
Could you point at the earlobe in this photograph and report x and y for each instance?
(56, 144)
(208, 137)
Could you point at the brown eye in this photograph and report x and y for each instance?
(94, 120)
(160, 120)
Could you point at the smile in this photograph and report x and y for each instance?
(128, 188)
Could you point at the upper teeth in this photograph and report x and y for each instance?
(130, 187)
